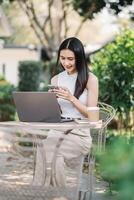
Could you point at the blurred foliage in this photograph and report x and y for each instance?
(50, 70)
(6, 1)
(87, 8)
(7, 109)
(30, 75)
(52, 29)
(114, 66)
(115, 165)
(51, 66)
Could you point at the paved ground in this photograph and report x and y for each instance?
(9, 165)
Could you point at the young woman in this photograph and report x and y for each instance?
(77, 89)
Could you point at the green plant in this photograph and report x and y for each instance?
(87, 8)
(114, 67)
(30, 75)
(116, 166)
(51, 65)
(7, 109)
(50, 70)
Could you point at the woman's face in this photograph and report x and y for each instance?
(67, 59)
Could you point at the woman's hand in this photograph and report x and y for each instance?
(63, 93)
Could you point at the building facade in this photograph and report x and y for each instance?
(10, 58)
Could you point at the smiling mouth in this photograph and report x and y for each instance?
(69, 67)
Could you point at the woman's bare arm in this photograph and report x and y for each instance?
(92, 98)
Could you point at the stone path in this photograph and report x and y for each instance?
(9, 173)
(100, 187)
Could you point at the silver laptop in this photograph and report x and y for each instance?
(37, 107)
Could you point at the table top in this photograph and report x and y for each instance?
(43, 125)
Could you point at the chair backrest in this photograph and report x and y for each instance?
(106, 114)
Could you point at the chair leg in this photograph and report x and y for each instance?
(90, 195)
(82, 195)
(86, 193)
(79, 195)
(91, 161)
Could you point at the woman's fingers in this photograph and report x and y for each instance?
(63, 93)
(62, 97)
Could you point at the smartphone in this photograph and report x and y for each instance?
(51, 87)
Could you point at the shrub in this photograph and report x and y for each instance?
(50, 67)
(7, 109)
(30, 75)
(114, 66)
(116, 166)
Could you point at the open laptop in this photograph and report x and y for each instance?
(37, 107)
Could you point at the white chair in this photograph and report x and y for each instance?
(106, 114)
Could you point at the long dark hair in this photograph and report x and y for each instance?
(76, 46)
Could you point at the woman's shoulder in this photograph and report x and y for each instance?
(92, 79)
(54, 80)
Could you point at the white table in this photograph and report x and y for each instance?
(42, 129)
(15, 125)
(38, 129)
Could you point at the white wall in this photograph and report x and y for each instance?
(10, 57)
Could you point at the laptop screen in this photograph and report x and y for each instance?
(37, 106)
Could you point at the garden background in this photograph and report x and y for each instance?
(40, 24)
